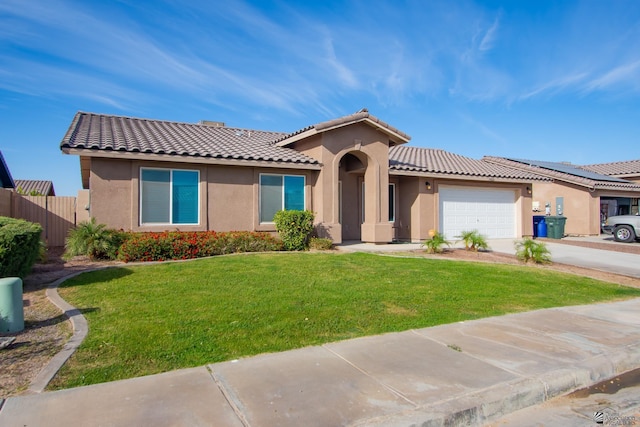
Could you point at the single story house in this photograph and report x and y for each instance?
(36, 187)
(6, 180)
(356, 173)
(583, 195)
(629, 170)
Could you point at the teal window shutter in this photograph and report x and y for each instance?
(185, 197)
(294, 193)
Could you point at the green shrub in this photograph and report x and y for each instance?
(20, 246)
(320, 244)
(93, 240)
(530, 250)
(186, 245)
(294, 228)
(473, 240)
(435, 243)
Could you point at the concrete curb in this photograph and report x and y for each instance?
(80, 330)
(490, 404)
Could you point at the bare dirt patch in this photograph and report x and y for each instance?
(47, 329)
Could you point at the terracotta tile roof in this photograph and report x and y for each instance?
(435, 161)
(43, 188)
(397, 136)
(90, 131)
(621, 169)
(567, 173)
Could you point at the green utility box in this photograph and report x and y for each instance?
(555, 226)
(11, 308)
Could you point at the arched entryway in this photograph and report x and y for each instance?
(362, 198)
(351, 178)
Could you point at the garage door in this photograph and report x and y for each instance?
(491, 212)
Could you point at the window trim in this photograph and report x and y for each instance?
(140, 195)
(392, 199)
(283, 175)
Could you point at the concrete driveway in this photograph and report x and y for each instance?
(609, 260)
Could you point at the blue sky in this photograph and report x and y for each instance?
(544, 80)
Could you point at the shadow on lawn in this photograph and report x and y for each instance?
(63, 317)
(100, 275)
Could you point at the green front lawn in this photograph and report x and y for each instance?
(155, 318)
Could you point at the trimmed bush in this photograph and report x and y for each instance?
(172, 245)
(294, 228)
(20, 246)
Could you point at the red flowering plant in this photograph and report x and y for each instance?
(172, 245)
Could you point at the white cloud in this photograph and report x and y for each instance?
(555, 86)
(490, 36)
(484, 129)
(627, 75)
(344, 74)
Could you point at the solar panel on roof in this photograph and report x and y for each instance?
(570, 170)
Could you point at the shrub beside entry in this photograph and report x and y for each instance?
(294, 228)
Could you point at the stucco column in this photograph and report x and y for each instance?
(376, 227)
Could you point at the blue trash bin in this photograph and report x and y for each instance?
(539, 226)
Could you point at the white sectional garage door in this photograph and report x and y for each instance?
(491, 212)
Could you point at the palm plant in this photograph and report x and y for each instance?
(473, 240)
(529, 249)
(435, 243)
(93, 240)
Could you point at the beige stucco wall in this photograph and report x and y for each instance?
(581, 206)
(371, 147)
(420, 205)
(82, 206)
(229, 196)
(5, 202)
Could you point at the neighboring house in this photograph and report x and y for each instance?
(355, 173)
(34, 187)
(6, 181)
(579, 193)
(6, 187)
(629, 170)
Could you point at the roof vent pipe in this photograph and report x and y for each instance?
(211, 123)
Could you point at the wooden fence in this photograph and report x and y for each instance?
(56, 215)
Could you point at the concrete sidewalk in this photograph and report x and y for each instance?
(465, 373)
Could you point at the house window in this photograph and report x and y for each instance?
(169, 196)
(392, 203)
(280, 192)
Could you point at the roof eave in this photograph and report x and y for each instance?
(461, 177)
(398, 138)
(297, 137)
(189, 159)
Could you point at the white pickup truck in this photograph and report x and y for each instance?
(625, 228)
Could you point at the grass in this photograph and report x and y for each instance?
(155, 318)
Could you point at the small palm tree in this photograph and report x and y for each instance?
(473, 240)
(530, 250)
(435, 243)
(93, 240)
